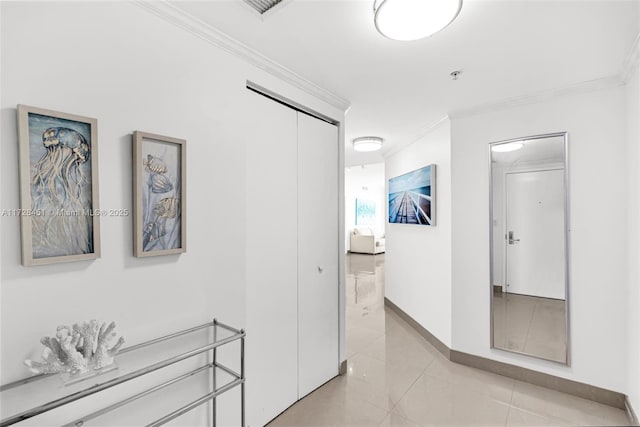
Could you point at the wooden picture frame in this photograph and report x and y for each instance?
(59, 197)
(159, 183)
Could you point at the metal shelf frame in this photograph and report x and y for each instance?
(238, 380)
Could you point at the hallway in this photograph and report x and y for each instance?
(395, 378)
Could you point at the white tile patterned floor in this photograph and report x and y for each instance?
(395, 378)
(530, 324)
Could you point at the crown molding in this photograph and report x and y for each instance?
(534, 98)
(419, 134)
(628, 67)
(199, 28)
(631, 61)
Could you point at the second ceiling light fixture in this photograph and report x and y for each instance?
(414, 19)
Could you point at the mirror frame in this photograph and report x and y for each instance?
(567, 255)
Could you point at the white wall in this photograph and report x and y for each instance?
(633, 164)
(418, 258)
(132, 71)
(364, 182)
(598, 219)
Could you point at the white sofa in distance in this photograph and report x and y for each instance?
(364, 241)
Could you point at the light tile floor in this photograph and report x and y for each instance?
(395, 378)
(529, 324)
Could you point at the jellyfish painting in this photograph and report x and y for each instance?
(160, 197)
(61, 191)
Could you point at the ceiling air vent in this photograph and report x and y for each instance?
(262, 6)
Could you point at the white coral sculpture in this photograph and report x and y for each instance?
(76, 350)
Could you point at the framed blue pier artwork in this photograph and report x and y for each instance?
(412, 197)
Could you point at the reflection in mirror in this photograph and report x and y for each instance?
(529, 280)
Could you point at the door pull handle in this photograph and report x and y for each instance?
(512, 241)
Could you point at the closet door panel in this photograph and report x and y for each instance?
(318, 289)
(271, 272)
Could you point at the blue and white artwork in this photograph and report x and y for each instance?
(161, 196)
(365, 212)
(61, 189)
(412, 197)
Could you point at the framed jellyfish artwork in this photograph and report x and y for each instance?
(159, 169)
(59, 212)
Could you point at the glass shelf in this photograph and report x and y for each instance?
(185, 357)
(69, 379)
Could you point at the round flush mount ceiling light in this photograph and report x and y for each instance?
(505, 148)
(413, 19)
(367, 143)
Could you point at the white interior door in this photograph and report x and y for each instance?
(272, 259)
(534, 235)
(318, 334)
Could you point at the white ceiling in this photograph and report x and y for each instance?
(544, 150)
(505, 49)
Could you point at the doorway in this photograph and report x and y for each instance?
(534, 234)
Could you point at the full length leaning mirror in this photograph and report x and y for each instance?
(529, 246)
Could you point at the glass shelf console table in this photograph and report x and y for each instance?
(171, 373)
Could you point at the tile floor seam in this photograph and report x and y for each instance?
(510, 404)
(506, 421)
(513, 389)
(409, 388)
(546, 417)
(472, 390)
(404, 393)
(533, 315)
(385, 418)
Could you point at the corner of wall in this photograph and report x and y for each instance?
(633, 179)
(418, 258)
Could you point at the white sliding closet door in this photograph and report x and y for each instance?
(272, 259)
(318, 333)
